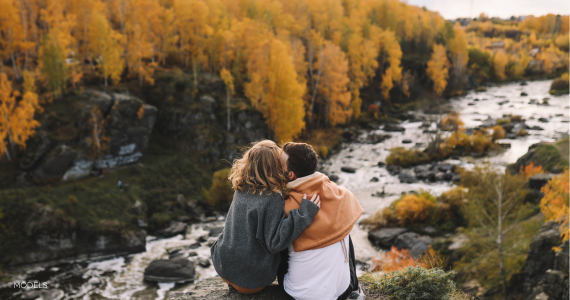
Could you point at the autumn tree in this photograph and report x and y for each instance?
(458, 50)
(193, 31)
(12, 35)
(333, 87)
(554, 204)
(499, 63)
(437, 69)
(17, 122)
(275, 91)
(229, 82)
(107, 44)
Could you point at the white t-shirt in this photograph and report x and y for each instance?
(322, 274)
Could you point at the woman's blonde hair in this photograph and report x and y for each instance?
(259, 169)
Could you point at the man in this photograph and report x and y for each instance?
(320, 263)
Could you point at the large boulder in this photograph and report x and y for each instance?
(407, 177)
(385, 237)
(178, 269)
(393, 128)
(414, 242)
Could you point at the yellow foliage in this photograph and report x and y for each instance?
(413, 209)
(333, 87)
(17, 122)
(275, 91)
(108, 44)
(324, 151)
(499, 63)
(438, 69)
(452, 122)
(554, 204)
(498, 132)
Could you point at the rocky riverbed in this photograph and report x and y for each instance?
(358, 165)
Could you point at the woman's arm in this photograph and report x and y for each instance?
(277, 230)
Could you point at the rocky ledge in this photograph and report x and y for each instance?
(215, 288)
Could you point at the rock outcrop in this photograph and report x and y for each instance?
(96, 131)
(216, 289)
(56, 236)
(545, 275)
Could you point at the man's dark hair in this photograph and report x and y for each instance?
(302, 159)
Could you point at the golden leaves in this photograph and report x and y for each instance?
(554, 204)
(438, 69)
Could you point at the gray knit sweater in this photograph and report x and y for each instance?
(257, 229)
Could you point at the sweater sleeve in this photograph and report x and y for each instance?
(278, 230)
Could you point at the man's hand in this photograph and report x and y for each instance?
(315, 199)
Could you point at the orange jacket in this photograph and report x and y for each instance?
(339, 211)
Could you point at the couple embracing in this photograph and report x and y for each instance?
(273, 230)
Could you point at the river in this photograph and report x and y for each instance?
(122, 277)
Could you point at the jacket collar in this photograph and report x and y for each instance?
(293, 184)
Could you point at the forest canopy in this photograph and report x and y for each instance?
(308, 60)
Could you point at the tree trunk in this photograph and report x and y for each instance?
(228, 99)
(500, 236)
(15, 66)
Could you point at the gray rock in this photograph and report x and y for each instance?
(137, 207)
(430, 231)
(416, 243)
(174, 229)
(333, 178)
(381, 164)
(209, 103)
(393, 170)
(141, 223)
(524, 94)
(204, 263)
(446, 167)
(440, 176)
(543, 120)
(374, 179)
(393, 128)
(56, 162)
(538, 181)
(215, 232)
(406, 177)
(406, 141)
(557, 170)
(385, 237)
(178, 269)
(376, 138)
(36, 147)
(348, 169)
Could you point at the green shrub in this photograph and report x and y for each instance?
(403, 157)
(221, 191)
(414, 283)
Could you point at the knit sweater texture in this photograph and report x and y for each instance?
(257, 229)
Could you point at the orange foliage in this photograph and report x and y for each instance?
(333, 87)
(373, 109)
(554, 204)
(412, 209)
(499, 63)
(498, 132)
(452, 122)
(395, 260)
(531, 170)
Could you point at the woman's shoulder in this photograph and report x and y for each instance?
(251, 194)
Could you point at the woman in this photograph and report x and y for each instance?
(247, 253)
